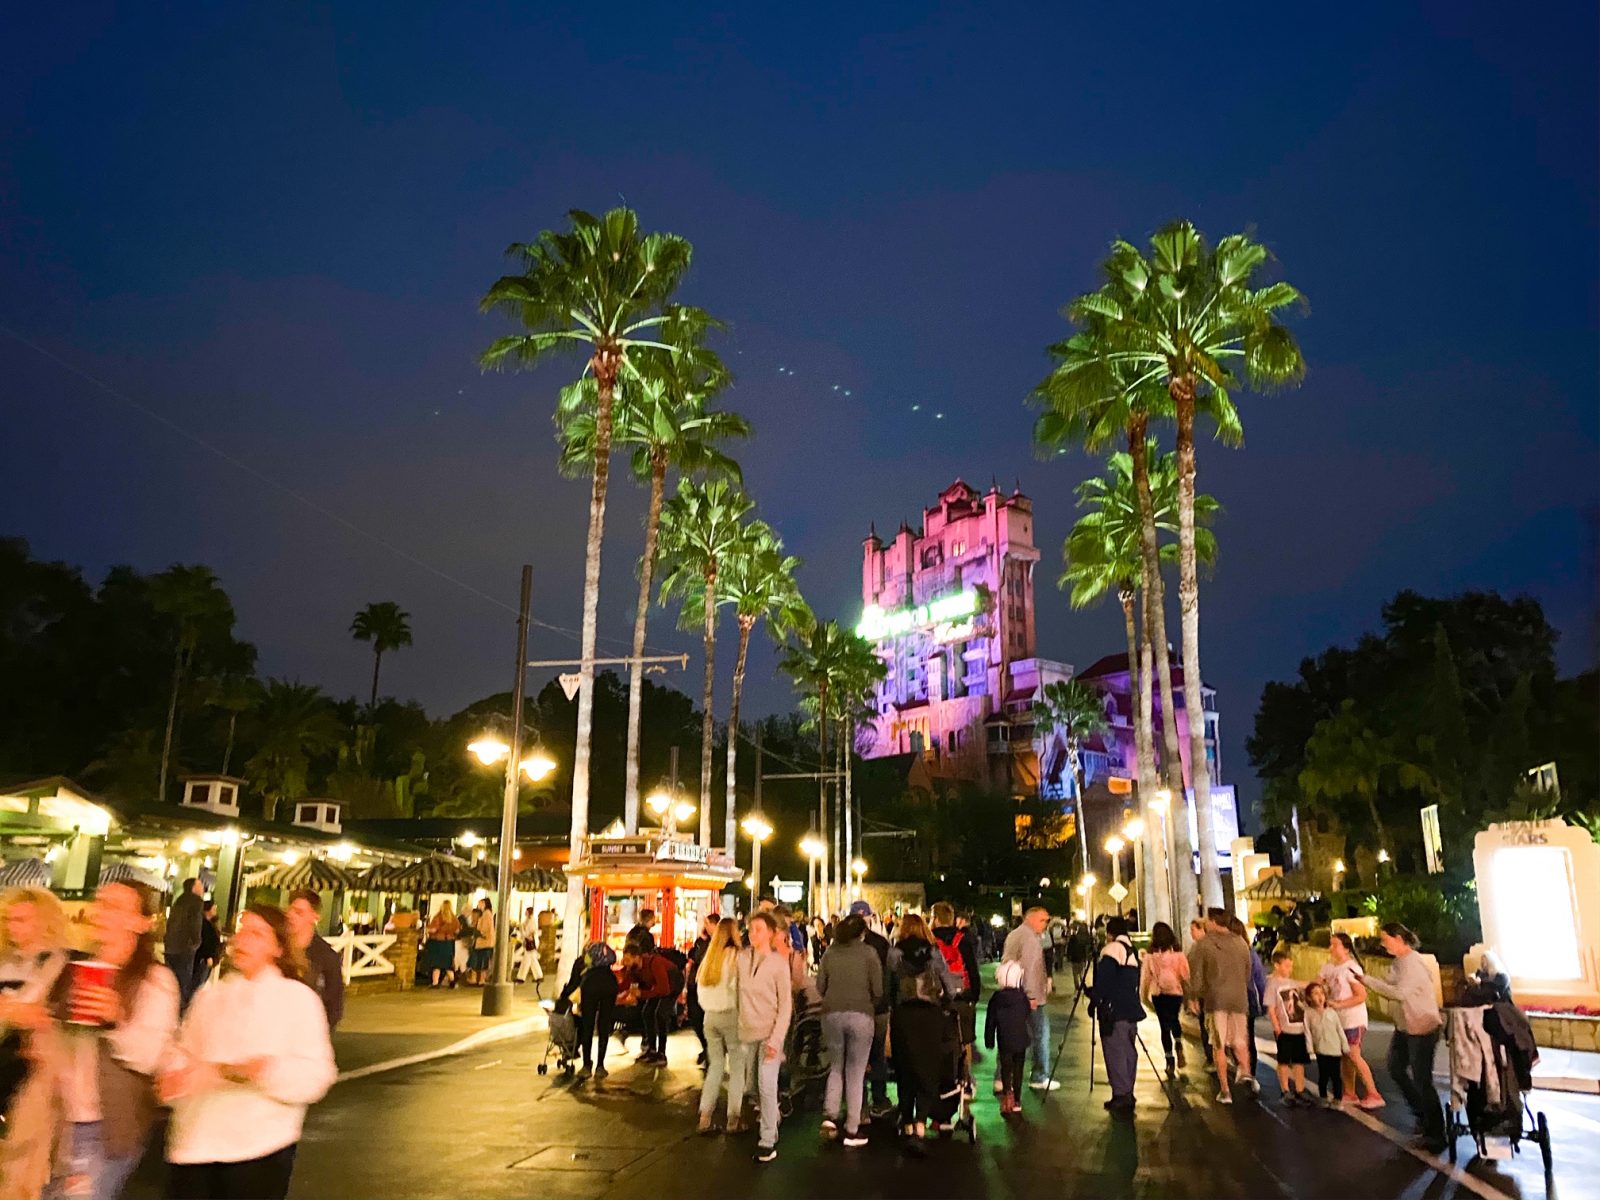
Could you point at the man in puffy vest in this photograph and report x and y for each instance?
(960, 951)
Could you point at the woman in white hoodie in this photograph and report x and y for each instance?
(252, 1055)
(717, 982)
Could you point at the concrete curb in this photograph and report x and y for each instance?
(482, 1037)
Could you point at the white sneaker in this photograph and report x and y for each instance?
(1046, 1085)
(830, 1128)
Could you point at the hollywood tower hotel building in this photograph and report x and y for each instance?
(950, 611)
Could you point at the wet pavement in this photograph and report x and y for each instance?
(484, 1124)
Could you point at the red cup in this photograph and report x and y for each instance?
(87, 973)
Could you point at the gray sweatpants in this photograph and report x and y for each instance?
(1122, 1056)
(766, 1072)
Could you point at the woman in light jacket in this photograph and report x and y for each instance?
(252, 1056)
(108, 1085)
(33, 955)
(718, 987)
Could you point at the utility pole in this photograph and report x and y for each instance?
(497, 995)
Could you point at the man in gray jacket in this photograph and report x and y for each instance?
(183, 937)
(1024, 945)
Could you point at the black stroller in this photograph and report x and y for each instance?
(1492, 1054)
(563, 1042)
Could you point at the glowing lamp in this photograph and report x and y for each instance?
(1338, 866)
(756, 827)
(1162, 800)
(1383, 856)
(488, 749)
(1134, 829)
(1090, 879)
(469, 839)
(812, 846)
(289, 857)
(1114, 844)
(659, 802)
(537, 765)
(683, 811)
(859, 866)
(188, 845)
(1045, 882)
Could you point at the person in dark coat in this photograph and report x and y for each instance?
(594, 982)
(210, 953)
(182, 939)
(1114, 1002)
(1005, 1030)
(324, 966)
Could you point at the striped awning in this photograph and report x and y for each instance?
(541, 879)
(314, 873)
(384, 877)
(25, 872)
(441, 875)
(126, 872)
(1275, 887)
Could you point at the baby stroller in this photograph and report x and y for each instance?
(563, 1041)
(803, 1061)
(1492, 1054)
(958, 1092)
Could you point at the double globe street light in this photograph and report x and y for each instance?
(758, 829)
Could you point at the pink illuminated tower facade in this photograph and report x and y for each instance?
(950, 610)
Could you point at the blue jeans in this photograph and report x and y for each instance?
(848, 1036)
(1039, 1027)
(106, 1174)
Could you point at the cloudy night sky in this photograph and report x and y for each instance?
(241, 249)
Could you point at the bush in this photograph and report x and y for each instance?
(1443, 914)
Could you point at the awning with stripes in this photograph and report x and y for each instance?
(314, 873)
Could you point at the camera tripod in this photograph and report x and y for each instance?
(1083, 984)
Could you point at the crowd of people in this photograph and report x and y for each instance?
(96, 1045)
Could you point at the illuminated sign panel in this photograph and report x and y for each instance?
(948, 611)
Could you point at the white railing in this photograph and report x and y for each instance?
(362, 954)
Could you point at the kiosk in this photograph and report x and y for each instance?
(669, 873)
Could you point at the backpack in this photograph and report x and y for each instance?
(677, 967)
(955, 960)
(916, 979)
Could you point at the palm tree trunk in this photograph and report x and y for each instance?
(1189, 617)
(708, 720)
(822, 792)
(1152, 900)
(1156, 632)
(851, 834)
(227, 753)
(647, 564)
(377, 662)
(1075, 765)
(572, 930)
(840, 867)
(746, 624)
(172, 719)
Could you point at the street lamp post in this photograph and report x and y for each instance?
(1133, 831)
(858, 868)
(758, 829)
(1114, 845)
(813, 848)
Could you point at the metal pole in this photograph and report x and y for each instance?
(497, 996)
(1116, 875)
(755, 869)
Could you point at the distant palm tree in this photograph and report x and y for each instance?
(857, 672)
(234, 695)
(700, 527)
(293, 722)
(666, 418)
(1076, 711)
(811, 660)
(194, 603)
(757, 580)
(1182, 318)
(387, 628)
(601, 287)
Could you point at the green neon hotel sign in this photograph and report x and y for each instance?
(876, 624)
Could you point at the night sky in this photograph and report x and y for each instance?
(273, 229)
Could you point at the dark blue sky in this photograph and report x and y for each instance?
(273, 229)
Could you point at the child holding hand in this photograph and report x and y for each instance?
(1325, 1033)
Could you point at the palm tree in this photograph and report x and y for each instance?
(234, 695)
(700, 526)
(811, 660)
(857, 673)
(757, 580)
(666, 418)
(602, 286)
(387, 627)
(1183, 319)
(1088, 400)
(1103, 551)
(1076, 711)
(293, 722)
(195, 604)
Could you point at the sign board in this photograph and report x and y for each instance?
(1119, 785)
(1117, 892)
(684, 852)
(788, 891)
(1432, 840)
(1225, 821)
(569, 683)
(619, 848)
